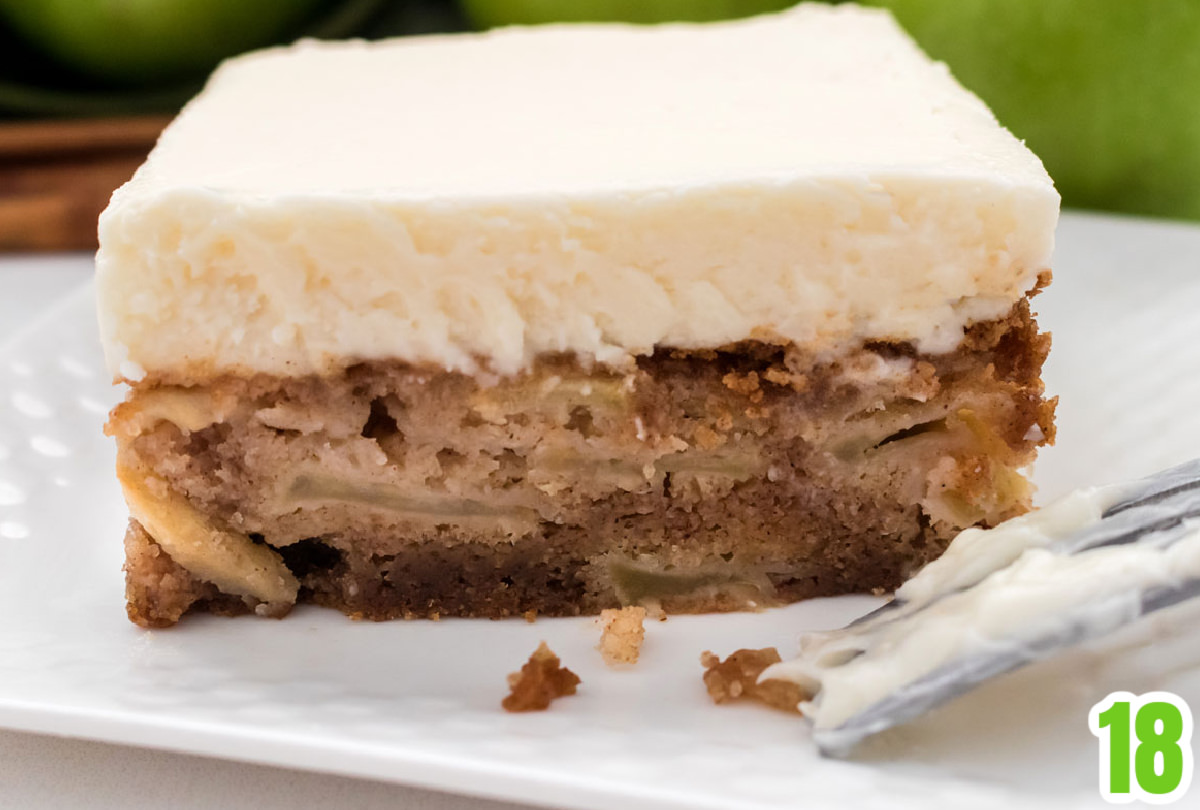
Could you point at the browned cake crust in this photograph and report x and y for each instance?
(699, 480)
(158, 591)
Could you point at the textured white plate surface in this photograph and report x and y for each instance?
(418, 702)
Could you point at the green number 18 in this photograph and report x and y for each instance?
(1150, 758)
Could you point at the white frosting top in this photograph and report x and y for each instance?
(601, 189)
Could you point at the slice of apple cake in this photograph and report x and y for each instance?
(703, 317)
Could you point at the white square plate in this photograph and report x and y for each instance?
(418, 702)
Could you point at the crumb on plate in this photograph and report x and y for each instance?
(736, 678)
(622, 635)
(542, 679)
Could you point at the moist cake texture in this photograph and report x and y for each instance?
(699, 481)
(535, 340)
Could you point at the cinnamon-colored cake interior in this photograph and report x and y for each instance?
(695, 481)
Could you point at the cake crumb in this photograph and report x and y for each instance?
(777, 376)
(542, 679)
(530, 615)
(736, 678)
(622, 635)
(708, 439)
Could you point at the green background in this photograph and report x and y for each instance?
(1106, 92)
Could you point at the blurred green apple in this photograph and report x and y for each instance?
(490, 13)
(150, 41)
(1107, 92)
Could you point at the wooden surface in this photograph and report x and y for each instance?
(56, 177)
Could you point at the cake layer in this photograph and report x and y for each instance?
(482, 200)
(696, 480)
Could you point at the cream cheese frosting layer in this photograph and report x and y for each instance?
(478, 200)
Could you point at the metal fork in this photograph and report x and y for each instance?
(1153, 513)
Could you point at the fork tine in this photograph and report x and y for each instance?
(1159, 598)
(1155, 514)
(1124, 522)
(1166, 484)
(1170, 498)
(961, 676)
(940, 686)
